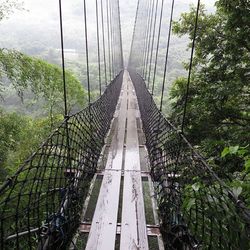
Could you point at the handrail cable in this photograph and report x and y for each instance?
(41, 202)
(188, 189)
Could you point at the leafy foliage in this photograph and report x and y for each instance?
(16, 145)
(209, 223)
(218, 116)
(218, 104)
(41, 82)
(44, 80)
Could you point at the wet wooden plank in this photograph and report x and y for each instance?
(152, 230)
(103, 228)
(133, 229)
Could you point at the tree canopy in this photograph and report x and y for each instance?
(44, 80)
(219, 97)
(218, 107)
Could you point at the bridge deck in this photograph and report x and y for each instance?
(122, 186)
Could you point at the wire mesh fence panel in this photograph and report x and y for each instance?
(197, 209)
(40, 205)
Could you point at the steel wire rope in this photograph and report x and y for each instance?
(66, 115)
(144, 33)
(231, 195)
(188, 84)
(88, 79)
(139, 32)
(167, 54)
(190, 66)
(157, 47)
(165, 70)
(103, 45)
(120, 34)
(180, 133)
(63, 60)
(115, 37)
(133, 36)
(111, 38)
(108, 30)
(153, 41)
(118, 38)
(146, 38)
(61, 210)
(86, 49)
(98, 48)
(112, 21)
(149, 40)
(181, 137)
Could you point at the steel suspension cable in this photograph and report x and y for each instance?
(141, 33)
(166, 62)
(137, 53)
(146, 37)
(108, 29)
(190, 66)
(167, 53)
(86, 48)
(144, 33)
(98, 48)
(117, 50)
(112, 37)
(103, 44)
(157, 47)
(133, 36)
(153, 41)
(149, 39)
(66, 115)
(120, 32)
(63, 61)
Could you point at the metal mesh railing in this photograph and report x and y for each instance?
(40, 206)
(197, 209)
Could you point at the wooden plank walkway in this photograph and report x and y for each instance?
(103, 229)
(123, 161)
(133, 229)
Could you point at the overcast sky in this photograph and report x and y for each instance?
(42, 15)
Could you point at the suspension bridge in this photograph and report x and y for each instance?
(118, 174)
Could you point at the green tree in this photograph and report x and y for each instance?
(44, 80)
(16, 131)
(218, 105)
